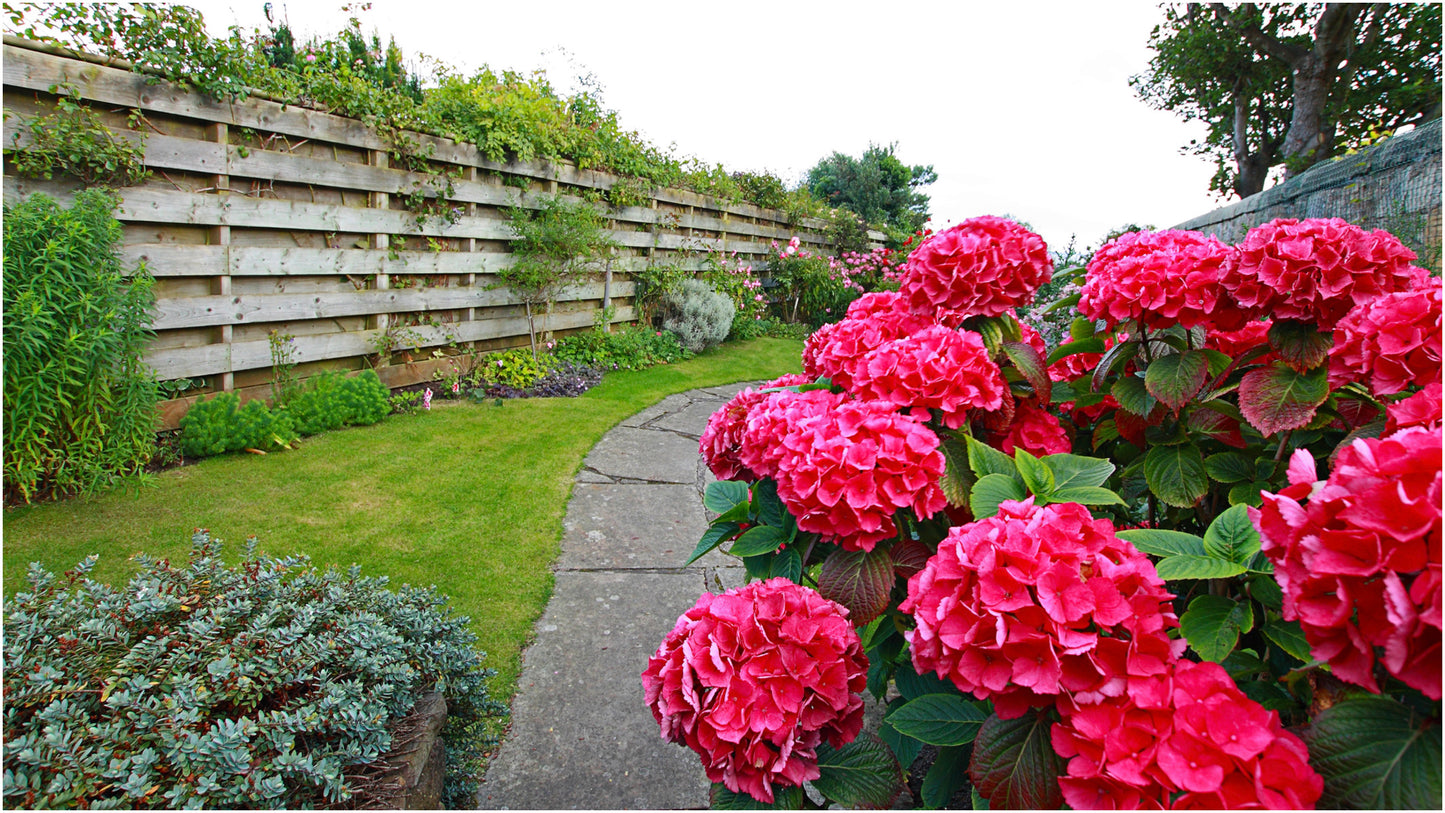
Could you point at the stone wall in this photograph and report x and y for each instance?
(1394, 185)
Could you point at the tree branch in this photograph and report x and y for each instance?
(1257, 39)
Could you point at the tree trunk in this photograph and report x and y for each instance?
(1311, 136)
(1251, 169)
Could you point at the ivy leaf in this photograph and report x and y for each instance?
(986, 460)
(1300, 345)
(859, 580)
(938, 719)
(1232, 537)
(1176, 474)
(1033, 367)
(1196, 567)
(1159, 542)
(1228, 467)
(758, 540)
(1071, 470)
(1277, 398)
(1177, 377)
(1014, 765)
(1376, 754)
(991, 490)
(1212, 625)
(1289, 636)
(945, 777)
(863, 773)
(722, 496)
(1037, 477)
(785, 797)
(711, 538)
(1133, 395)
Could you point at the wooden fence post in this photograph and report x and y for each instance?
(221, 236)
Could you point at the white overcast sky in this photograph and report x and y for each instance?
(1023, 108)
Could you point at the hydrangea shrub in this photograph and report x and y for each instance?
(1189, 557)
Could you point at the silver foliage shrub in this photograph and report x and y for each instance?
(264, 685)
(700, 316)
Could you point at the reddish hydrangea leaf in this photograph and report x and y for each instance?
(1176, 378)
(1277, 398)
(909, 557)
(1032, 365)
(859, 580)
(1299, 344)
(1014, 766)
(1212, 424)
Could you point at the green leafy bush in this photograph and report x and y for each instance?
(625, 348)
(79, 408)
(513, 368)
(220, 424)
(333, 400)
(263, 685)
(700, 316)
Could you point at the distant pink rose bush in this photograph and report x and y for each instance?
(754, 679)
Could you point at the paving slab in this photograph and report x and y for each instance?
(633, 526)
(671, 403)
(691, 420)
(727, 391)
(581, 735)
(644, 454)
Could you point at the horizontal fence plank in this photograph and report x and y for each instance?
(210, 359)
(166, 260)
(214, 311)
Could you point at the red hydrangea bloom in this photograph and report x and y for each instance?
(985, 266)
(936, 368)
(753, 679)
(1391, 342)
(1234, 343)
(845, 472)
(722, 440)
(1038, 603)
(1032, 338)
(1160, 278)
(773, 419)
(840, 354)
(1035, 431)
(1199, 737)
(1069, 368)
(813, 345)
(1421, 409)
(1316, 270)
(1360, 564)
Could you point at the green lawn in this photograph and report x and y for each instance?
(469, 497)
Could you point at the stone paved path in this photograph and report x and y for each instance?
(580, 734)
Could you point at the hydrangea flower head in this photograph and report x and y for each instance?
(722, 439)
(778, 416)
(754, 679)
(1391, 343)
(1038, 603)
(936, 368)
(985, 266)
(872, 321)
(846, 472)
(1316, 270)
(1360, 564)
(1160, 279)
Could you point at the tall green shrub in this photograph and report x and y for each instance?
(79, 407)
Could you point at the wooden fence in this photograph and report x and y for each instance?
(261, 217)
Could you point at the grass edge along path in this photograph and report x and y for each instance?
(468, 497)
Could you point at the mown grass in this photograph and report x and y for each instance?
(468, 497)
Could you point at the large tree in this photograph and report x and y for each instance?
(1292, 85)
(876, 186)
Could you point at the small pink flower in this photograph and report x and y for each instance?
(426, 398)
(456, 386)
(310, 57)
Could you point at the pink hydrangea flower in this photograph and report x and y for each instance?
(1160, 279)
(1235, 343)
(1391, 343)
(1198, 743)
(1036, 431)
(985, 266)
(1360, 565)
(1316, 270)
(754, 679)
(770, 422)
(936, 368)
(1422, 409)
(872, 321)
(1039, 603)
(722, 439)
(846, 471)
